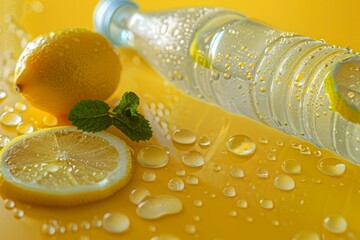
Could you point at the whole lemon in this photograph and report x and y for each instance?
(58, 69)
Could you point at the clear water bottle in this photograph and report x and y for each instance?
(247, 68)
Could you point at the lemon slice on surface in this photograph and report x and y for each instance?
(343, 88)
(64, 166)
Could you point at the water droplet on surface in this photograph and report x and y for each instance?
(204, 141)
(50, 121)
(237, 172)
(284, 182)
(183, 136)
(152, 156)
(217, 168)
(291, 166)
(4, 140)
(149, 176)
(48, 229)
(263, 140)
(241, 145)
(10, 118)
(266, 203)
(165, 237)
(192, 180)
(9, 204)
(24, 128)
(306, 235)
(116, 222)
(271, 157)
(229, 191)
(193, 159)
(198, 203)
(242, 203)
(190, 229)
(262, 172)
(137, 195)
(3, 94)
(155, 207)
(331, 166)
(21, 107)
(180, 172)
(176, 184)
(335, 224)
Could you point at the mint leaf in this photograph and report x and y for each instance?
(90, 115)
(95, 116)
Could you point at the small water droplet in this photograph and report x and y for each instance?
(262, 172)
(50, 121)
(116, 222)
(266, 203)
(291, 166)
(192, 180)
(241, 145)
(242, 203)
(190, 229)
(233, 213)
(193, 159)
(271, 156)
(21, 107)
(9, 204)
(176, 184)
(331, 166)
(153, 156)
(4, 140)
(237, 172)
(300, 77)
(165, 237)
(217, 168)
(180, 172)
(3, 94)
(204, 141)
(183, 136)
(335, 224)
(48, 229)
(263, 140)
(198, 203)
(137, 195)
(149, 176)
(10, 118)
(276, 223)
(154, 207)
(52, 167)
(284, 182)
(24, 128)
(229, 191)
(306, 235)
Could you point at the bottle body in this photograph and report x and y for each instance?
(245, 67)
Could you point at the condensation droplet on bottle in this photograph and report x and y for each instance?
(152, 156)
(10, 119)
(49, 121)
(271, 157)
(198, 203)
(193, 159)
(24, 128)
(116, 222)
(21, 107)
(242, 203)
(183, 136)
(266, 203)
(180, 172)
(190, 229)
(262, 172)
(3, 94)
(227, 75)
(204, 141)
(307, 235)
(284, 182)
(154, 207)
(149, 176)
(9, 204)
(263, 140)
(237, 172)
(229, 191)
(291, 166)
(137, 195)
(192, 180)
(335, 224)
(331, 166)
(176, 184)
(48, 229)
(241, 145)
(4, 140)
(215, 75)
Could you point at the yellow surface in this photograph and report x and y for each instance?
(315, 196)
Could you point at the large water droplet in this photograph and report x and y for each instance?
(50, 121)
(24, 128)
(229, 191)
(306, 235)
(284, 182)
(331, 166)
(237, 172)
(335, 224)
(183, 136)
(155, 207)
(137, 195)
(193, 159)
(153, 156)
(149, 176)
(116, 222)
(266, 203)
(291, 166)
(21, 107)
(176, 184)
(204, 141)
(242, 203)
(192, 180)
(10, 118)
(241, 145)
(262, 172)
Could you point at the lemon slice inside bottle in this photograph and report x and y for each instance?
(64, 166)
(343, 88)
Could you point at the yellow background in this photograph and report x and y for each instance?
(335, 21)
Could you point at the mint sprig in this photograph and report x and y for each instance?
(96, 115)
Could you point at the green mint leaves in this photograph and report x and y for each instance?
(95, 116)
